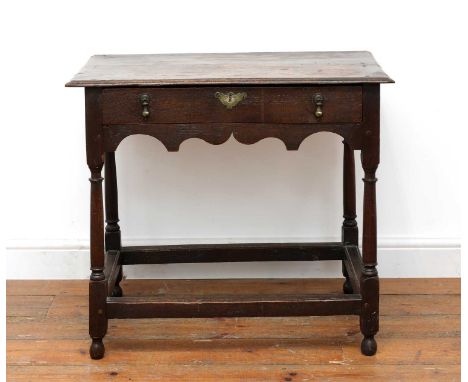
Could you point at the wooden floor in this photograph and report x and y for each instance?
(419, 339)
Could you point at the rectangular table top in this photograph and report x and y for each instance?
(230, 69)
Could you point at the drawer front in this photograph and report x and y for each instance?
(178, 105)
(340, 104)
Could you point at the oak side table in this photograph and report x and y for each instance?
(250, 96)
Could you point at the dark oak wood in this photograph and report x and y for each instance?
(113, 239)
(240, 306)
(213, 253)
(113, 272)
(352, 266)
(172, 135)
(230, 68)
(288, 96)
(97, 284)
(349, 230)
(369, 280)
(275, 105)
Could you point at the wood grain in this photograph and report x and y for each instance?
(292, 351)
(215, 373)
(415, 286)
(72, 328)
(172, 135)
(211, 253)
(262, 105)
(230, 68)
(419, 337)
(71, 306)
(182, 109)
(28, 306)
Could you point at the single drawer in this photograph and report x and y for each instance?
(320, 104)
(288, 105)
(179, 105)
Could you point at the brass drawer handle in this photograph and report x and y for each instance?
(230, 99)
(318, 100)
(144, 101)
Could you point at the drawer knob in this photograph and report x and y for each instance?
(230, 99)
(318, 100)
(144, 101)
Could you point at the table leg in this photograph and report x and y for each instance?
(113, 236)
(369, 281)
(349, 231)
(98, 283)
(370, 154)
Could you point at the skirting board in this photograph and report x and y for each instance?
(397, 258)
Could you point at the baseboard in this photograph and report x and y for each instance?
(398, 257)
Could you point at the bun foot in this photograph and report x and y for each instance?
(347, 288)
(96, 351)
(117, 291)
(368, 346)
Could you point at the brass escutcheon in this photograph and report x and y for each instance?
(230, 99)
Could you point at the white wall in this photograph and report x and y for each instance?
(231, 192)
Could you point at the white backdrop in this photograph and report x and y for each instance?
(231, 193)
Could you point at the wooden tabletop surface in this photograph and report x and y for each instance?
(230, 69)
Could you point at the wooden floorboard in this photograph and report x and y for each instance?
(419, 338)
(214, 328)
(74, 306)
(217, 373)
(140, 287)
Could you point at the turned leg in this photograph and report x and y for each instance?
(369, 319)
(98, 283)
(349, 230)
(369, 279)
(113, 236)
